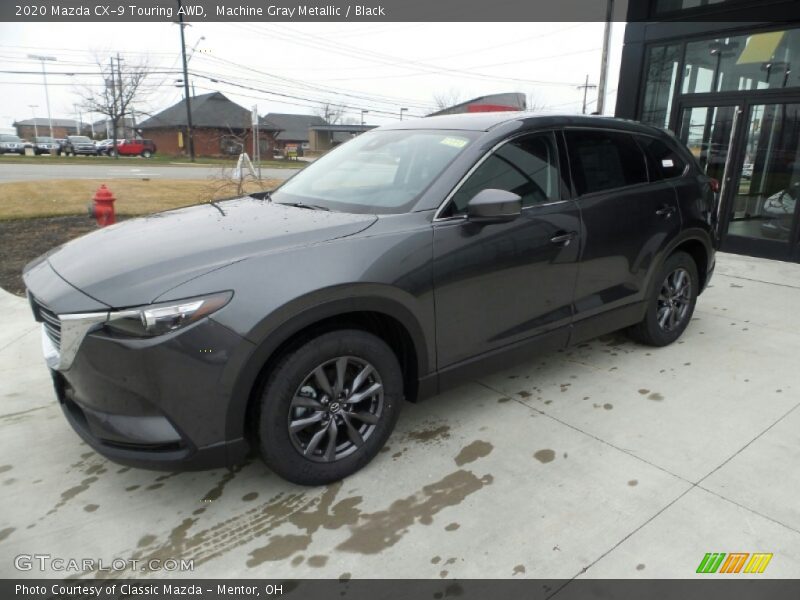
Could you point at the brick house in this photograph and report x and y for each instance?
(283, 129)
(220, 128)
(28, 128)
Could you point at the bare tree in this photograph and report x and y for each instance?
(122, 87)
(446, 99)
(332, 113)
(534, 104)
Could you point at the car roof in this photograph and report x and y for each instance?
(486, 121)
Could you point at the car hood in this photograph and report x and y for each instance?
(134, 262)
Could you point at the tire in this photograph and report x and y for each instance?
(671, 304)
(146, 154)
(112, 153)
(293, 393)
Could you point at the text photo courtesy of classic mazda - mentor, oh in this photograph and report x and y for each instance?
(295, 323)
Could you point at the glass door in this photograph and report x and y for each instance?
(754, 151)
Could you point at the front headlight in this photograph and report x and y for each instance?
(158, 319)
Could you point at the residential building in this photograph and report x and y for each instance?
(289, 130)
(220, 127)
(28, 128)
(725, 77)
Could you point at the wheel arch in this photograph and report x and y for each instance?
(388, 319)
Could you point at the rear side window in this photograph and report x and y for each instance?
(526, 166)
(604, 160)
(663, 162)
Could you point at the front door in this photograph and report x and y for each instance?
(753, 148)
(499, 284)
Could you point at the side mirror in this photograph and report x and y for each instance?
(494, 206)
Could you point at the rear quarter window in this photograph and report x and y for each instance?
(663, 161)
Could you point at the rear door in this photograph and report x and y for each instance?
(499, 284)
(627, 220)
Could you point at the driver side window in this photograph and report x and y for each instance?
(526, 166)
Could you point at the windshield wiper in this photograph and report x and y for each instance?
(304, 205)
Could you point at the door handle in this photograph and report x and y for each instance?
(666, 211)
(564, 239)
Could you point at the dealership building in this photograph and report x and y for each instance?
(728, 84)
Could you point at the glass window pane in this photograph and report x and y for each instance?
(604, 161)
(663, 162)
(747, 62)
(662, 75)
(526, 166)
(767, 193)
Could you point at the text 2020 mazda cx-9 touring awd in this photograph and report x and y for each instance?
(411, 257)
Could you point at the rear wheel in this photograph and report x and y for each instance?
(671, 303)
(112, 153)
(329, 406)
(146, 154)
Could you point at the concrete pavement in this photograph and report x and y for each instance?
(24, 172)
(606, 460)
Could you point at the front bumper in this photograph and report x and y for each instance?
(155, 403)
(158, 402)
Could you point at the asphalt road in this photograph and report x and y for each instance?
(21, 172)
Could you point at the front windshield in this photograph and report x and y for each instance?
(377, 172)
(9, 138)
(80, 139)
(44, 139)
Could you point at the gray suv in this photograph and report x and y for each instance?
(11, 144)
(416, 256)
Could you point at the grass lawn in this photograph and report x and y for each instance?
(156, 160)
(57, 197)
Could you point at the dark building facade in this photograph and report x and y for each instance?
(727, 82)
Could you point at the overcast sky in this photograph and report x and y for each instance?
(378, 67)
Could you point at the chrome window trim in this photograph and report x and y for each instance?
(484, 158)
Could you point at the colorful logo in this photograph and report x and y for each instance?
(735, 562)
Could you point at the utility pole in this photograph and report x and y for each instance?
(188, 100)
(121, 101)
(41, 59)
(601, 92)
(33, 108)
(585, 87)
(113, 84)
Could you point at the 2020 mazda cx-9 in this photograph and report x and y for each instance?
(406, 260)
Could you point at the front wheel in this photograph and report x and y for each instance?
(147, 154)
(329, 406)
(671, 303)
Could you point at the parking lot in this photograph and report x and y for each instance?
(609, 460)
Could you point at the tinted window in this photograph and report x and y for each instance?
(663, 162)
(604, 160)
(526, 166)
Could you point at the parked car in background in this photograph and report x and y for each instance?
(103, 146)
(78, 144)
(144, 148)
(11, 143)
(45, 145)
(406, 261)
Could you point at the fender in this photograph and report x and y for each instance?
(283, 323)
(695, 234)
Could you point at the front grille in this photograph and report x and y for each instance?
(50, 320)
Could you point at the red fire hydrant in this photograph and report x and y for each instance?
(102, 207)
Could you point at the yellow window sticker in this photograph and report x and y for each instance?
(454, 142)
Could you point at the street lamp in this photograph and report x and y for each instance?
(402, 110)
(42, 59)
(363, 112)
(33, 112)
